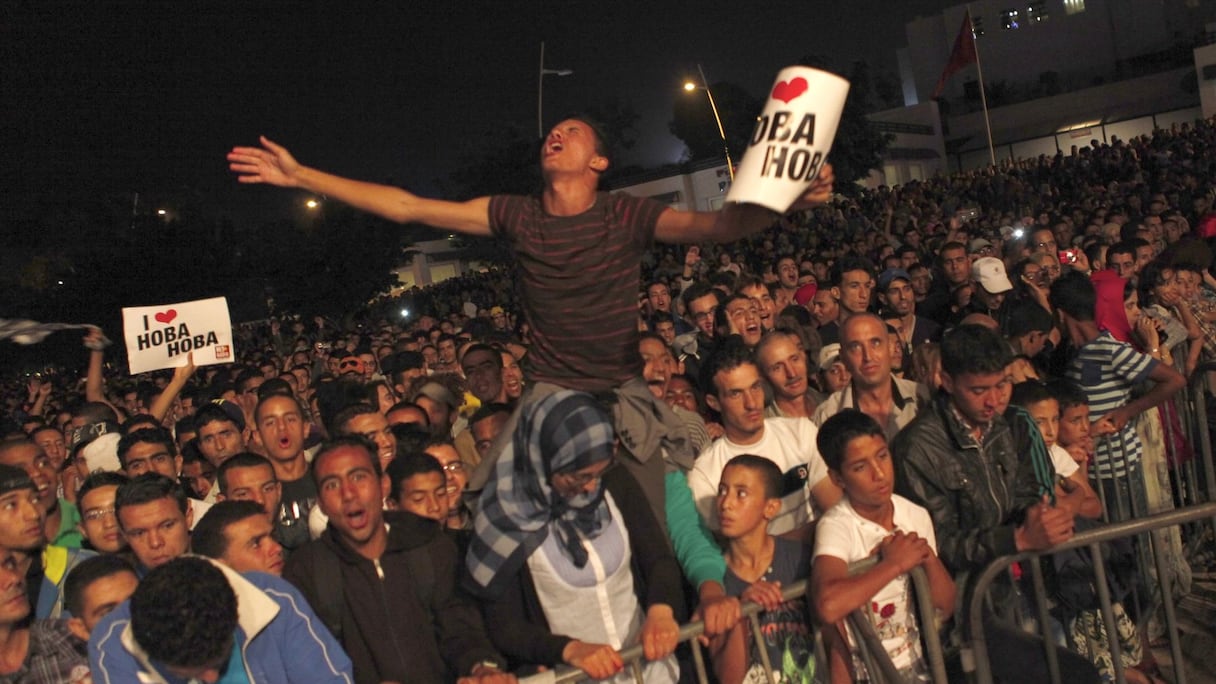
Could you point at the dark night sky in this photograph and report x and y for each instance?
(105, 98)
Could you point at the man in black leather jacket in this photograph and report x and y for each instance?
(962, 462)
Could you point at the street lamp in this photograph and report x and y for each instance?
(540, 90)
(690, 86)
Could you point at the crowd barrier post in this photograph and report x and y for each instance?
(1092, 539)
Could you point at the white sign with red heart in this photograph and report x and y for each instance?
(164, 336)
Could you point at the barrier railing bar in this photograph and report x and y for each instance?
(1108, 612)
(1171, 618)
(1040, 601)
(1091, 538)
(750, 611)
(758, 639)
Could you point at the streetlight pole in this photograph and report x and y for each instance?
(540, 90)
(730, 167)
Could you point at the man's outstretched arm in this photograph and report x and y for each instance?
(273, 164)
(735, 221)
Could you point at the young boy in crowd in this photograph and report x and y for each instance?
(757, 565)
(1073, 436)
(872, 518)
(1072, 485)
(1061, 411)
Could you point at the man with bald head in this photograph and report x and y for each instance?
(865, 348)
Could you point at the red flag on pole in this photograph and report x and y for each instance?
(962, 55)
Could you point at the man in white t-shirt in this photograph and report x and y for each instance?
(736, 390)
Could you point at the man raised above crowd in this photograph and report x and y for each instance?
(583, 322)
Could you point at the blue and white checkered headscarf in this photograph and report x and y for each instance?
(563, 431)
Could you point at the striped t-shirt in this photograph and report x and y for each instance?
(578, 282)
(1107, 369)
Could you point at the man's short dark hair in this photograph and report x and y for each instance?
(184, 613)
(330, 446)
(495, 354)
(244, 459)
(952, 245)
(1127, 247)
(275, 387)
(209, 537)
(488, 410)
(839, 431)
(1029, 392)
(147, 488)
(727, 356)
(974, 349)
(341, 418)
(1025, 317)
(156, 435)
(88, 571)
(699, 290)
(769, 472)
(408, 465)
(849, 263)
(1067, 393)
(212, 412)
(1074, 294)
(100, 478)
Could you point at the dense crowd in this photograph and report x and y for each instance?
(546, 464)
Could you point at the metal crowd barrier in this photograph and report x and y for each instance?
(1092, 540)
(877, 664)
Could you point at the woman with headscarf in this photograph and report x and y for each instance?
(567, 553)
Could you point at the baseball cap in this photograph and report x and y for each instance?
(437, 392)
(978, 244)
(829, 354)
(13, 478)
(805, 293)
(885, 278)
(989, 272)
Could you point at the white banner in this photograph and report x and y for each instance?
(164, 336)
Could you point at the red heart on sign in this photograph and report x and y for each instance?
(787, 91)
(167, 316)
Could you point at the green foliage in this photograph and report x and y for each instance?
(693, 121)
(859, 146)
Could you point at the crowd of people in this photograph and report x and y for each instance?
(653, 417)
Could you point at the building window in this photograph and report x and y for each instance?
(1036, 12)
(1011, 19)
(1074, 6)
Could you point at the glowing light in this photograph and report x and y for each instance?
(405, 313)
(161, 212)
(312, 204)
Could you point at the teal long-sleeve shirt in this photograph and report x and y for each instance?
(696, 551)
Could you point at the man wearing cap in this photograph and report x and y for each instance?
(62, 519)
(833, 374)
(21, 528)
(899, 301)
(221, 431)
(979, 248)
(498, 318)
(865, 349)
(991, 286)
(440, 405)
